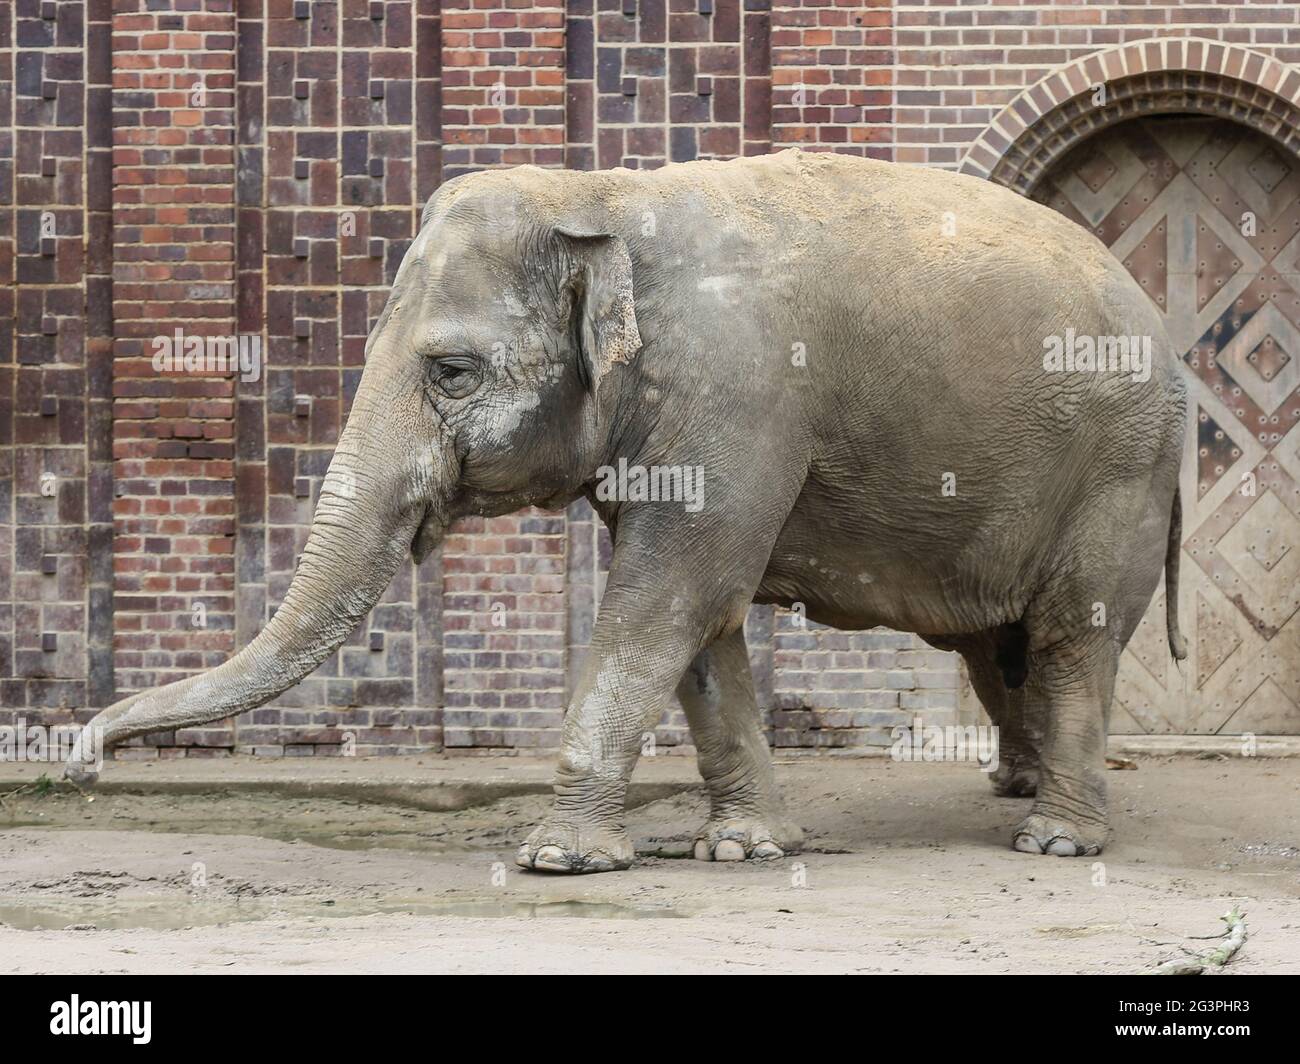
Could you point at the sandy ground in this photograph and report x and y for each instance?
(908, 869)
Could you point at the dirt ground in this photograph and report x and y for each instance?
(907, 869)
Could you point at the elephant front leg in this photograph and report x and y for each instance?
(680, 580)
(620, 696)
(641, 645)
(746, 817)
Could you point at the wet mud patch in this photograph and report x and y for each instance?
(177, 914)
(212, 860)
(334, 823)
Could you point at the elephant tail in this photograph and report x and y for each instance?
(1177, 644)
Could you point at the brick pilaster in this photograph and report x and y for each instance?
(503, 84)
(831, 77)
(173, 268)
(504, 611)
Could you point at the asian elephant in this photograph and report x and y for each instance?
(898, 396)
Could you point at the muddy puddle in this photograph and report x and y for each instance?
(328, 822)
(178, 914)
(101, 897)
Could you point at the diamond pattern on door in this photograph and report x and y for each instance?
(1206, 215)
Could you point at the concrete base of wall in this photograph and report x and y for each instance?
(1228, 745)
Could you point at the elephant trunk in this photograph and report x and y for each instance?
(373, 499)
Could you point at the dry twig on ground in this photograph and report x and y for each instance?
(1233, 939)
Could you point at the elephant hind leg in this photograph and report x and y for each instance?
(1072, 665)
(1073, 686)
(990, 657)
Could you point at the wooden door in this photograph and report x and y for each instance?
(1206, 215)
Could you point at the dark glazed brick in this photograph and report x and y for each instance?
(579, 49)
(609, 69)
(683, 144)
(652, 25)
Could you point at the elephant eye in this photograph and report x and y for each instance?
(456, 375)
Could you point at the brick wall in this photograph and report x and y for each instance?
(256, 170)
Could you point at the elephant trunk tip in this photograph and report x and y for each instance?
(79, 774)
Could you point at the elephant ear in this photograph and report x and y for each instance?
(603, 303)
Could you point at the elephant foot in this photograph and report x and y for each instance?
(739, 839)
(1039, 833)
(1014, 780)
(575, 847)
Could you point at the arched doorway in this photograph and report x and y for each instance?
(1205, 213)
(1193, 180)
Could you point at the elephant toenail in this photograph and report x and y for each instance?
(768, 851)
(729, 850)
(702, 851)
(1062, 847)
(1028, 844)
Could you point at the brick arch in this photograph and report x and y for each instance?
(1167, 76)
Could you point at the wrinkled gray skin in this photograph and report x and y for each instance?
(657, 317)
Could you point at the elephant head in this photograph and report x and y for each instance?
(481, 394)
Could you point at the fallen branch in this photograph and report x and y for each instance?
(1233, 939)
(13, 793)
(41, 785)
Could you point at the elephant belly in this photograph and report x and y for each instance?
(849, 579)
